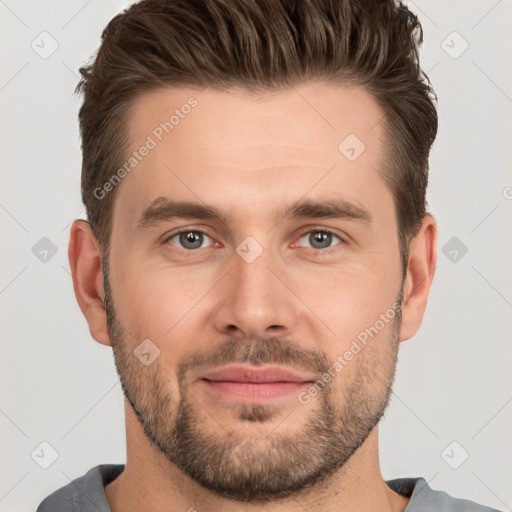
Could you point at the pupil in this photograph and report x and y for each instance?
(321, 239)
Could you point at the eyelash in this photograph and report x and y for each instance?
(327, 250)
(317, 230)
(194, 230)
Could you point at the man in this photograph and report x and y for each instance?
(257, 247)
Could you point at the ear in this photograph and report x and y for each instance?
(85, 262)
(420, 273)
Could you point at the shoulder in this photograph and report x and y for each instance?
(84, 493)
(423, 498)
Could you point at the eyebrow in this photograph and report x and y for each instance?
(163, 209)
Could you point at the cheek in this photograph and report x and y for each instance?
(161, 304)
(349, 299)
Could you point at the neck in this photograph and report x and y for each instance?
(150, 482)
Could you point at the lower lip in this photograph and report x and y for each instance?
(255, 391)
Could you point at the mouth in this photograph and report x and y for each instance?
(256, 384)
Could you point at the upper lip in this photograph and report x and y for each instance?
(244, 373)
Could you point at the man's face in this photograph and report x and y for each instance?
(256, 289)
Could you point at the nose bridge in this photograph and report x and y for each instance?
(252, 278)
(254, 299)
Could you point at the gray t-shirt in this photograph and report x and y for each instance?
(87, 494)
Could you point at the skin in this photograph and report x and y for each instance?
(249, 155)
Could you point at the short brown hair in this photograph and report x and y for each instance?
(261, 45)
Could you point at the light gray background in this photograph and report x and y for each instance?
(453, 381)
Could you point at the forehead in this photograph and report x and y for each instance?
(244, 149)
(315, 116)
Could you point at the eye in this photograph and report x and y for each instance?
(319, 239)
(190, 239)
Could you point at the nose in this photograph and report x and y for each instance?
(256, 299)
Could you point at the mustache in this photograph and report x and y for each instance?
(266, 350)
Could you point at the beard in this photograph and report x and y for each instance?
(232, 462)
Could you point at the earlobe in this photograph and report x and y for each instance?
(420, 273)
(85, 262)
